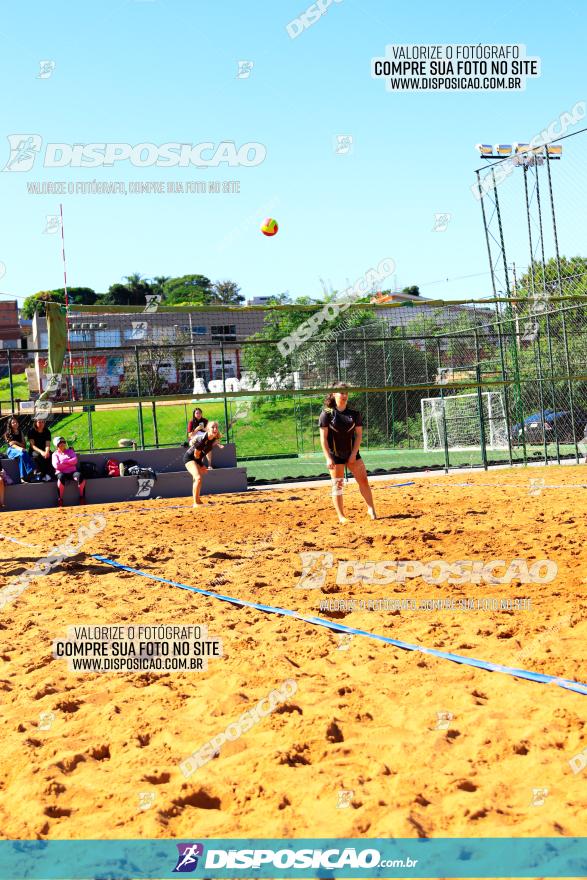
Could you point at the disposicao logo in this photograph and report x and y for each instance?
(187, 860)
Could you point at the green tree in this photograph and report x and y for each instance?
(266, 361)
(76, 296)
(158, 284)
(133, 293)
(188, 289)
(414, 290)
(380, 356)
(227, 292)
(82, 296)
(573, 274)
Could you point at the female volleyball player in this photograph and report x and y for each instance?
(195, 458)
(341, 432)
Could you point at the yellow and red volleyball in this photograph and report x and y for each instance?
(269, 226)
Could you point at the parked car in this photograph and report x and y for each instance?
(550, 424)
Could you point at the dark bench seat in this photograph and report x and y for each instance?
(173, 480)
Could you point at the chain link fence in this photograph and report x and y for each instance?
(438, 385)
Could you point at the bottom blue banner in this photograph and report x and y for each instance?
(454, 857)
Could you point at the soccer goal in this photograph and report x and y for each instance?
(458, 416)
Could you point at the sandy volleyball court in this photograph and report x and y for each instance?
(418, 746)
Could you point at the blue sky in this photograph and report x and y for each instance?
(159, 71)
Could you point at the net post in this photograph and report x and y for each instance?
(10, 380)
(538, 356)
(155, 427)
(444, 434)
(139, 393)
(569, 383)
(366, 392)
(505, 393)
(480, 403)
(226, 422)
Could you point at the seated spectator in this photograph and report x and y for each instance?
(17, 449)
(3, 479)
(197, 422)
(40, 449)
(65, 463)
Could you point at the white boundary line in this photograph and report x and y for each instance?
(436, 473)
(22, 543)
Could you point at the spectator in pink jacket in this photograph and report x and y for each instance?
(66, 469)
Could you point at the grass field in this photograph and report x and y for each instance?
(20, 390)
(268, 428)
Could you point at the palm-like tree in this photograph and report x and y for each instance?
(134, 282)
(227, 292)
(159, 282)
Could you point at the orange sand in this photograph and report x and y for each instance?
(364, 718)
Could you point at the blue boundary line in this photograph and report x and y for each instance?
(540, 677)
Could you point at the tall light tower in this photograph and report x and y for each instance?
(505, 159)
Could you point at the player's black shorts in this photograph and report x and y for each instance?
(189, 456)
(338, 460)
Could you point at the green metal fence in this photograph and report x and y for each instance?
(438, 385)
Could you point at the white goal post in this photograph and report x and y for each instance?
(457, 415)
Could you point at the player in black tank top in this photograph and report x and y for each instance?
(195, 458)
(341, 432)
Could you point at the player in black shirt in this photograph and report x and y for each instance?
(39, 437)
(195, 458)
(341, 432)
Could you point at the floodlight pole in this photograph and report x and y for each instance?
(561, 308)
(532, 284)
(548, 326)
(485, 227)
(540, 227)
(554, 229)
(501, 239)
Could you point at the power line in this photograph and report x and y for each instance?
(13, 296)
(456, 278)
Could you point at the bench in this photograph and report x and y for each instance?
(173, 480)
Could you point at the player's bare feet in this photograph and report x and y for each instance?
(342, 520)
(198, 504)
(371, 513)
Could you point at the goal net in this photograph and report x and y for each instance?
(457, 416)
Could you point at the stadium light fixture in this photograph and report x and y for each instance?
(524, 152)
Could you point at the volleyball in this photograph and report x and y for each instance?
(269, 226)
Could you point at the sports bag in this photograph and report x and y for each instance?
(126, 465)
(146, 473)
(88, 470)
(111, 468)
